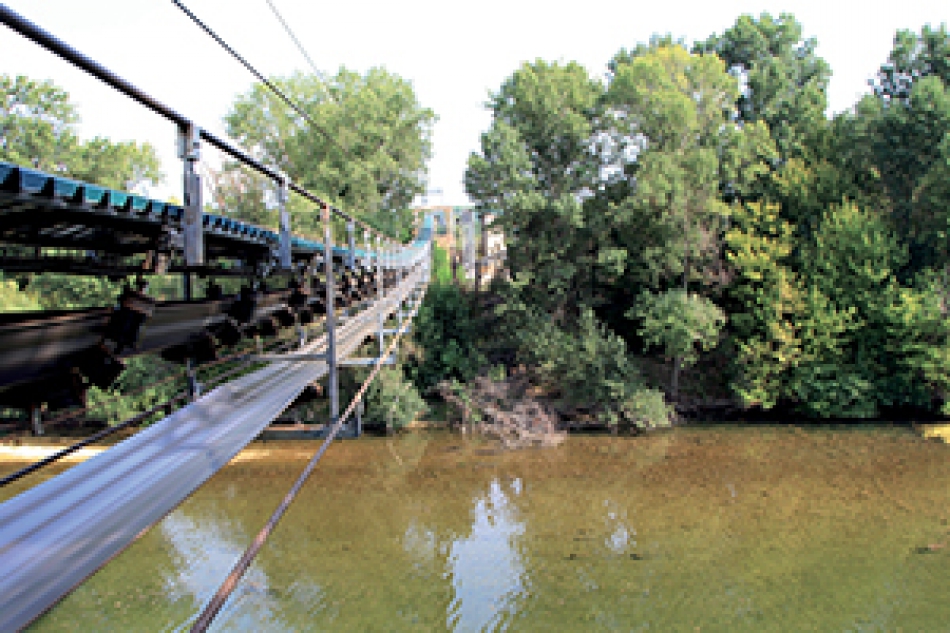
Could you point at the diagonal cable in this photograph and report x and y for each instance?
(296, 41)
(264, 80)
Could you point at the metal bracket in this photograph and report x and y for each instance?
(293, 358)
(362, 362)
(287, 358)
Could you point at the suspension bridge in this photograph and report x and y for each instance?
(317, 302)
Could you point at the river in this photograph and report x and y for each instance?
(720, 528)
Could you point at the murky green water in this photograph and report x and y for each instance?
(726, 529)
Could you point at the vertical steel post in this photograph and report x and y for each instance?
(366, 261)
(194, 387)
(189, 150)
(379, 294)
(351, 242)
(283, 195)
(333, 379)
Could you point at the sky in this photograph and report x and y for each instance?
(454, 53)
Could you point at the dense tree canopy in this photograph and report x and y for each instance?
(783, 79)
(704, 205)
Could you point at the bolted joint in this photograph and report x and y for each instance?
(189, 142)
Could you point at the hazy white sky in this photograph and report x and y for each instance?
(453, 53)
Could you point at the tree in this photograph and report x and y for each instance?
(537, 166)
(590, 368)
(445, 336)
(37, 124)
(784, 80)
(671, 119)
(907, 147)
(367, 152)
(766, 300)
(866, 340)
(679, 322)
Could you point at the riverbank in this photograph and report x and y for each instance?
(30, 449)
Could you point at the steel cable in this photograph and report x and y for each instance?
(296, 41)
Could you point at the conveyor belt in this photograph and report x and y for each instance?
(55, 535)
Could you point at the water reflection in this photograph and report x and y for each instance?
(205, 552)
(619, 538)
(486, 570)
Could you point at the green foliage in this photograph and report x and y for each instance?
(785, 81)
(57, 291)
(37, 124)
(766, 299)
(680, 323)
(673, 110)
(866, 341)
(374, 162)
(535, 164)
(914, 57)
(826, 382)
(590, 368)
(15, 300)
(392, 400)
(136, 390)
(446, 333)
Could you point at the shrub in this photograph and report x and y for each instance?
(590, 367)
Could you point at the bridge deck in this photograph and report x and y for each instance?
(55, 535)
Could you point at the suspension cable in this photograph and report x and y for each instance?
(230, 583)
